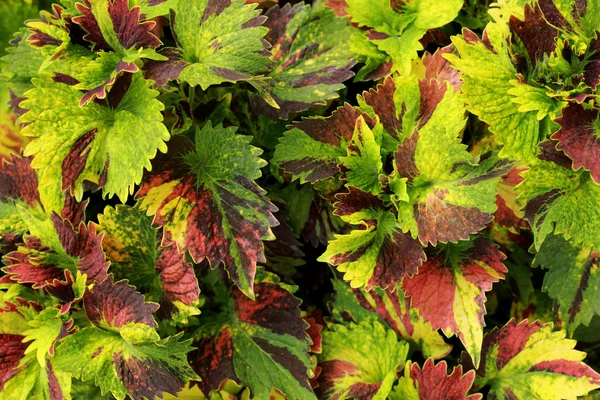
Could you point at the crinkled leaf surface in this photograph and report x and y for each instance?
(360, 361)
(121, 351)
(389, 307)
(486, 76)
(132, 246)
(530, 361)
(449, 290)
(432, 383)
(107, 144)
(376, 252)
(311, 58)
(573, 280)
(208, 202)
(260, 343)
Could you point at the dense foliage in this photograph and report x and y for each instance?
(368, 199)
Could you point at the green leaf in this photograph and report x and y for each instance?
(311, 150)
(391, 308)
(396, 28)
(360, 361)
(573, 280)
(561, 201)
(486, 82)
(375, 252)
(112, 142)
(12, 15)
(216, 174)
(219, 41)
(132, 245)
(310, 56)
(363, 163)
(451, 193)
(121, 351)
(530, 361)
(261, 343)
(28, 371)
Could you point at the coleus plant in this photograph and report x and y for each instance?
(332, 199)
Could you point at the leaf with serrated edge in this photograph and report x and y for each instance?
(359, 361)
(528, 361)
(392, 308)
(262, 344)
(449, 290)
(132, 245)
(109, 145)
(433, 383)
(208, 203)
(121, 351)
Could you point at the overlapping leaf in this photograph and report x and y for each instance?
(217, 41)
(311, 150)
(560, 200)
(572, 280)
(311, 58)
(133, 247)
(449, 290)
(530, 361)
(432, 383)
(389, 307)
(108, 144)
(486, 76)
(208, 202)
(579, 138)
(260, 343)
(359, 361)
(444, 193)
(392, 30)
(121, 351)
(62, 250)
(376, 252)
(27, 338)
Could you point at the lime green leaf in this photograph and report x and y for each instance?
(360, 361)
(389, 307)
(396, 27)
(28, 371)
(108, 145)
(451, 194)
(486, 77)
(530, 361)
(363, 165)
(121, 351)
